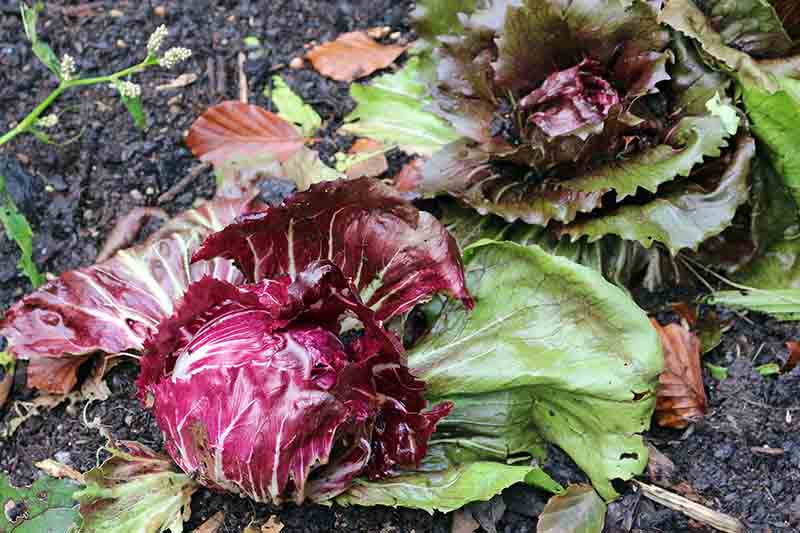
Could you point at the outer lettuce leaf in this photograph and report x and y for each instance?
(751, 26)
(775, 118)
(625, 263)
(681, 219)
(464, 171)
(693, 82)
(445, 490)
(256, 394)
(578, 510)
(783, 304)
(685, 17)
(111, 307)
(391, 110)
(585, 354)
(395, 255)
(778, 268)
(693, 139)
(433, 18)
(47, 505)
(135, 490)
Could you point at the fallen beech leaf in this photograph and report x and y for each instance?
(680, 398)
(685, 312)
(212, 524)
(463, 522)
(235, 129)
(794, 356)
(410, 176)
(578, 510)
(371, 167)
(127, 228)
(273, 525)
(53, 468)
(181, 81)
(660, 468)
(7, 365)
(352, 55)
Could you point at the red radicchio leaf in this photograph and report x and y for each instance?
(112, 306)
(395, 255)
(256, 397)
(234, 129)
(572, 101)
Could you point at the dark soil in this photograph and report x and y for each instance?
(72, 195)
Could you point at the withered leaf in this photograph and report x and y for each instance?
(352, 55)
(234, 128)
(680, 398)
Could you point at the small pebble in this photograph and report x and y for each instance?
(63, 457)
(49, 188)
(116, 13)
(396, 35)
(149, 191)
(136, 195)
(161, 11)
(296, 63)
(121, 44)
(87, 214)
(128, 420)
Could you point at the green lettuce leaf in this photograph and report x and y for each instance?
(681, 219)
(694, 138)
(783, 304)
(623, 263)
(751, 26)
(693, 82)
(775, 117)
(577, 347)
(137, 490)
(445, 490)
(47, 505)
(578, 510)
(291, 107)
(391, 109)
(433, 18)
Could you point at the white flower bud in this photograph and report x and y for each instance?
(67, 67)
(173, 56)
(129, 89)
(156, 40)
(47, 121)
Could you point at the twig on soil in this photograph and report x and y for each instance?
(701, 513)
(222, 76)
(82, 10)
(761, 450)
(178, 188)
(240, 59)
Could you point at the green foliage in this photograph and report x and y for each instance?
(45, 506)
(445, 490)
(578, 510)
(292, 108)
(580, 358)
(18, 229)
(391, 110)
(783, 304)
(40, 48)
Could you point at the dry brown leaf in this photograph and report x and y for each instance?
(5, 386)
(680, 398)
(273, 525)
(178, 83)
(234, 129)
(53, 468)
(794, 356)
(685, 312)
(371, 167)
(789, 12)
(660, 468)
(212, 524)
(410, 176)
(463, 522)
(352, 55)
(126, 229)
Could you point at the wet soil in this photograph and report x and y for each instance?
(72, 194)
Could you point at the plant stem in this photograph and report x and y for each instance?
(29, 120)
